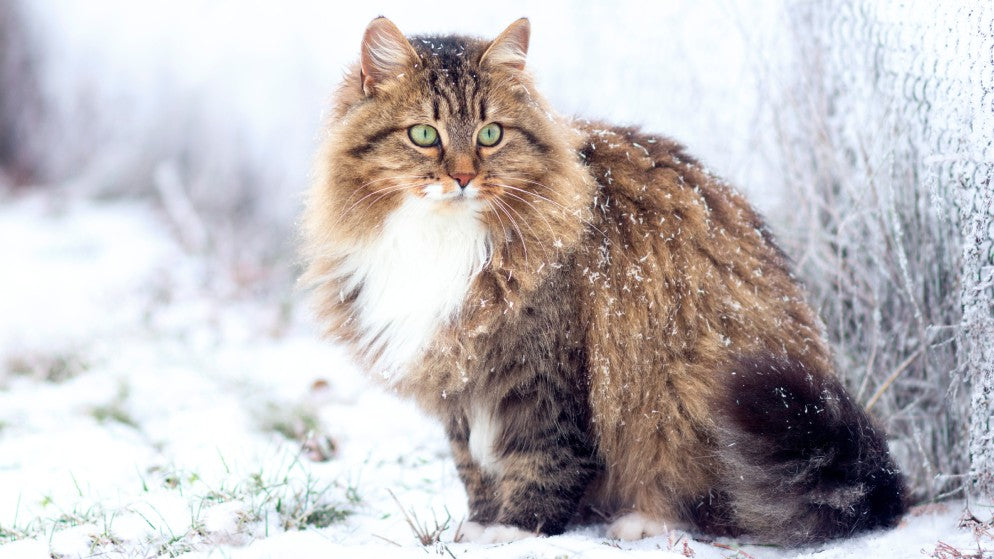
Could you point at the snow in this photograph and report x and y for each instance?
(158, 434)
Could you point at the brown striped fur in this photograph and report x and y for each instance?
(624, 290)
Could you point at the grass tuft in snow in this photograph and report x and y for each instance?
(423, 531)
(983, 532)
(59, 521)
(300, 423)
(11, 534)
(115, 410)
(300, 504)
(290, 499)
(286, 498)
(293, 423)
(56, 367)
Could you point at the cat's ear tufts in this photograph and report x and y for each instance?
(385, 54)
(510, 47)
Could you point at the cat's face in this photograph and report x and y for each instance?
(451, 122)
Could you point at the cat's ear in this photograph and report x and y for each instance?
(510, 47)
(385, 54)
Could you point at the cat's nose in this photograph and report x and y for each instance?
(463, 178)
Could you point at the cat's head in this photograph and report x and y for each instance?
(455, 123)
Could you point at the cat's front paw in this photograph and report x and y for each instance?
(635, 526)
(474, 532)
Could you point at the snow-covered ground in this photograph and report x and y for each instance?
(151, 405)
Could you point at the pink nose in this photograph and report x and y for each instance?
(463, 178)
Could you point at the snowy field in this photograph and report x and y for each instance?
(149, 406)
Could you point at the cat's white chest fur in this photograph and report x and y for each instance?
(413, 277)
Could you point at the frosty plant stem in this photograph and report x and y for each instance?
(425, 535)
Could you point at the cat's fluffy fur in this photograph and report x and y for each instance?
(599, 322)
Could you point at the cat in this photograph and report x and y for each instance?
(602, 326)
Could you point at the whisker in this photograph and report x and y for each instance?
(389, 177)
(564, 208)
(359, 188)
(382, 192)
(539, 196)
(499, 220)
(521, 236)
(517, 213)
(386, 191)
(509, 187)
(540, 213)
(527, 222)
(522, 179)
(503, 207)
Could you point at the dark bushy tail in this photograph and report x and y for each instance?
(803, 462)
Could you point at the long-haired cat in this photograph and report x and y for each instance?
(599, 323)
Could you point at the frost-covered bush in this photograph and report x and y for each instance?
(886, 137)
(19, 109)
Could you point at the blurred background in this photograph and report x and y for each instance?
(220, 103)
(861, 129)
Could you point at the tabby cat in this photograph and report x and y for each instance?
(602, 326)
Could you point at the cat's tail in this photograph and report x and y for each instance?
(802, 462)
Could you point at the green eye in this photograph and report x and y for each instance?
(490, 135)
(423, 135)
